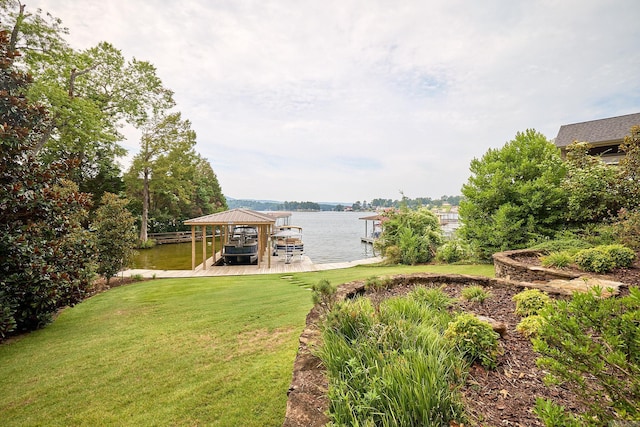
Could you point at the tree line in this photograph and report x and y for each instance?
(67, 210)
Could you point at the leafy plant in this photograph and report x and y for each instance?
(529, 326)
(603, 259)
(431, 297)
(476, 340)
(453, 251)
(393, 367)
(627, 228)
(554, 415)
(530, 302)
(475, 293)
(324, 294)
(376, 284)
(557, 259)
(592, 346)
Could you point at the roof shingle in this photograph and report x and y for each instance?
(597, 131)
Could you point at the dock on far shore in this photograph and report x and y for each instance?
(299, 265)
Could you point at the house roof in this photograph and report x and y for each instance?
(233, 216)
(597, 131)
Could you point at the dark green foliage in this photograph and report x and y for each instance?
(46, 254)
(116, 235)
(514, 195)
(603, 259)
(530, 302)
(592, 346)
(476, 340)
(416, 234)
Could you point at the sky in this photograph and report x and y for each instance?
(348, 100)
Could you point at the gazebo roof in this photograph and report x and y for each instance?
(233, 216)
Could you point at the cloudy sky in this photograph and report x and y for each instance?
(351, 100)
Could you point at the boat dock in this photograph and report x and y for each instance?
(299, 265)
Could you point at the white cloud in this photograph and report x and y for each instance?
(351, 100)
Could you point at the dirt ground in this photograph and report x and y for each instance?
(506, 396)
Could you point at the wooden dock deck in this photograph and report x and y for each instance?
(298, 265)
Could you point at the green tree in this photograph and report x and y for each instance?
(514, 195)
(155, 175)
(116, 235)
(207, 197)
(590, 185)
(630, 170)
(416, 233)
(88, 93)
(46, 254)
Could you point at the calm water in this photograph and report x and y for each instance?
(328, 237)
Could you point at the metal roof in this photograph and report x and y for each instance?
(597, 131)
(233, 216)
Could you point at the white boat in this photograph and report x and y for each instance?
(287, 242)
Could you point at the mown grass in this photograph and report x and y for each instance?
(196, 351)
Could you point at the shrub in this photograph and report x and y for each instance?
(324, 294)
(376, 284)
(530, 302)
(475, 293)
(453, 251)
(621, 255)
(392, 255)
(627, 228)
(529, 326)
(431, 297)
(569, 244)
(557, 259)
(476, 340)
(592, 346)
(351, 319)
(603, 259)
(554, 415)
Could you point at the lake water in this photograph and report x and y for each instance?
(328, 237)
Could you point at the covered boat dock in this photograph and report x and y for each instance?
(222, 222)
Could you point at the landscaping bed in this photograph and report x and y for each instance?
(504, 396)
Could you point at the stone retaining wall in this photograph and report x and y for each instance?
(508, 268)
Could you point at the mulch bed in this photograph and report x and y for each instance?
(506, 396)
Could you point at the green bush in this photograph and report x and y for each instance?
(351, 319)
(621, 255)
(476, 340)
(475, 293)
(557, 260)
(431, 297)
(627, 228)
(376, 284)
(592, 346)
(453, 251)
(529, 326)
(324, 294)
(570, 244)
(392, 254)
(554, 415)
(603, 259)
(530, 302)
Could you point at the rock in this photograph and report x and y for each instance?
(499, 327)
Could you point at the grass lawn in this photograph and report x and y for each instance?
(193, 351)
